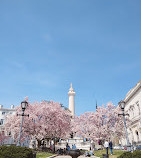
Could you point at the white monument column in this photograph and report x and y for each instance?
(71, 95)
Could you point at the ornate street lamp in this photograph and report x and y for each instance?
(24, 105)
(122, 106)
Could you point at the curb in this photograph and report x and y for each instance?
(52, 156)
(57, 155)
(92, 157)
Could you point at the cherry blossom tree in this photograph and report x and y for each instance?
(3, 137)
(47, 119)
(102, 124)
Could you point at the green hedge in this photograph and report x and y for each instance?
(15, 152)
(135, 154)
(126, 155)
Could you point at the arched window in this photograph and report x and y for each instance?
(137, 134)
(132, 136)
(137, 103)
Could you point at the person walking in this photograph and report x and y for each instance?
(74, 147)
(106, 145)
(111, 147)
(91, 151)
(67, 148)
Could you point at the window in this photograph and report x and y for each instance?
(9, 133)
(137, 103)
(1, 121)
(3, 113)
(137, 134)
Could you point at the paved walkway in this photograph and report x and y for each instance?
(82, 156)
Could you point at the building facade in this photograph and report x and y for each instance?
(4, 112)
(10, 140)
(133, 108)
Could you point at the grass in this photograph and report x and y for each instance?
(116, 153)
(98, 153)
(43, 155)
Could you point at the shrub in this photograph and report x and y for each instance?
(126, 155)
(15, 152)
(136, 154)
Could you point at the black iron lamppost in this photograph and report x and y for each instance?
(122, 106)
(24, 105)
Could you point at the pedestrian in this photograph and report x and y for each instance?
(87, 154)
(91, 151)
(111, 147)
(60, 151)
(64, 151)
(74, 147)
(106, 145)
(68, 148)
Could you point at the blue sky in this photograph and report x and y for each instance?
(45, 45)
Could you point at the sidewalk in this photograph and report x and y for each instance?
(82, 156)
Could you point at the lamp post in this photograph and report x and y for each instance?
(122, 106)
(24, 105)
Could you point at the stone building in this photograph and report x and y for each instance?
(133, 108)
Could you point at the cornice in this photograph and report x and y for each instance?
(132, 91)
(4, 109)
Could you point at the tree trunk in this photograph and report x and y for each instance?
(53, 145)
(39, 143)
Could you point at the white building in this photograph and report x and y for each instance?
(133, 108)
(3, 113)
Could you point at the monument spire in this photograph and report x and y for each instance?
(71, 95)
(71, 89)
(96, 104)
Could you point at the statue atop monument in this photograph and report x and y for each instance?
(71, 89)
